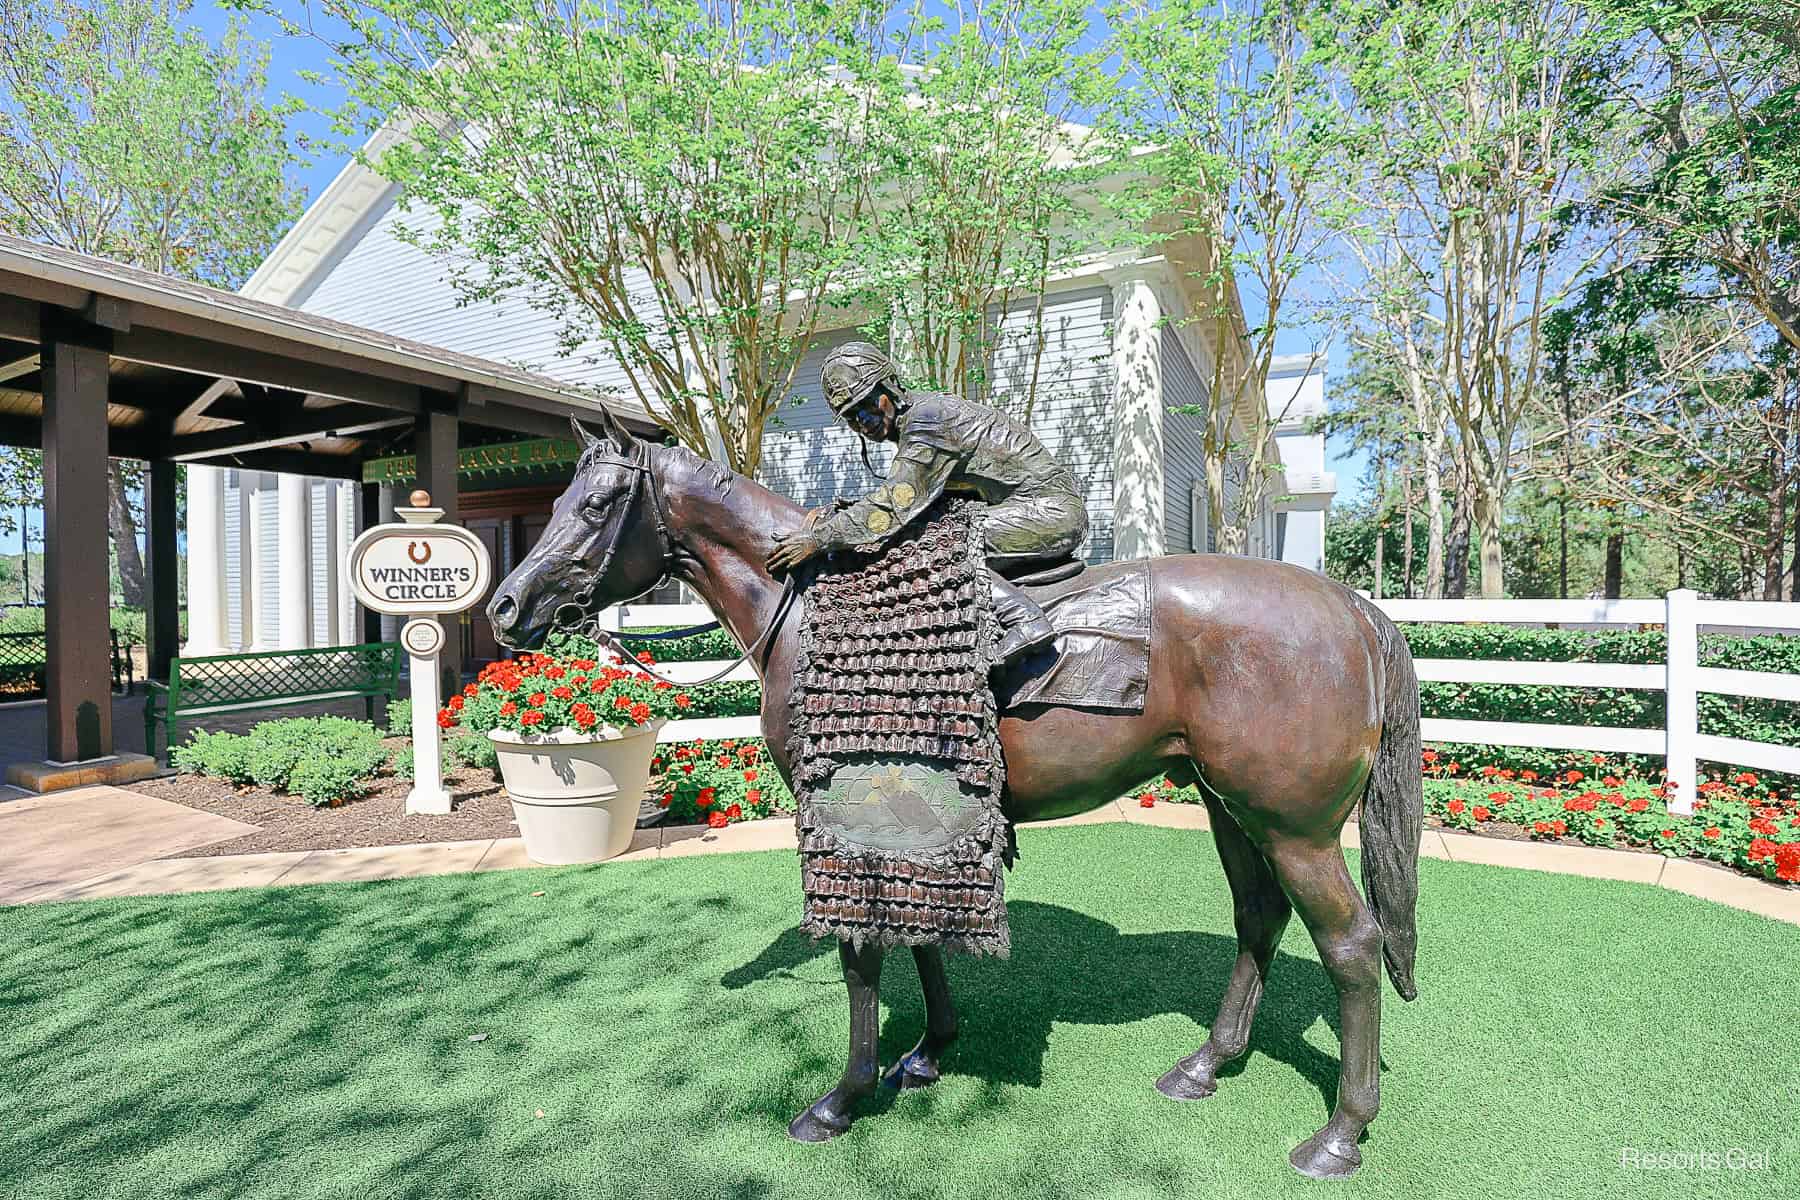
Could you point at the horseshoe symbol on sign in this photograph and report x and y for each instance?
(419, 552)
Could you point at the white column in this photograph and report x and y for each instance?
(328, 562)
(1682, 720)
(390, 624)
(343, 600)
(206, 561)
(294, 534)
(250, 633)
(1138, 498)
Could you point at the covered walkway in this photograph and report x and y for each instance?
(99, 360)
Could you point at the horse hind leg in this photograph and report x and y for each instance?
(832, 1113)
(1349, 943)
(918, 1067)
(1260, 912)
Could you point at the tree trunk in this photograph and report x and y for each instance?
(1775, 534)
(1487, 514)
(124, 538)
(25, 553)
(1406, 536)
(1562, 531)
(1380, 524)
(1456, 546)
(1794, 567)
(1615, 564)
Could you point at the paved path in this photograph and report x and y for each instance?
(147, 875)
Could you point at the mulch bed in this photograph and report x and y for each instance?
(378, 818)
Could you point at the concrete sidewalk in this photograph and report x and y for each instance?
(147, 875)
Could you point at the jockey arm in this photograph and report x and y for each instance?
(923, 464)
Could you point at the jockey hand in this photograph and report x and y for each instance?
(792, 549)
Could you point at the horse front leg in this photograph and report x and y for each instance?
(831, 1114)
(918, 1067)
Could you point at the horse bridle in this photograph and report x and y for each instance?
(587, 620)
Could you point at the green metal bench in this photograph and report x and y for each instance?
(218, 683)
(25, 658)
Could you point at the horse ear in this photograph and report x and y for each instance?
(611, 427)
(582, 435)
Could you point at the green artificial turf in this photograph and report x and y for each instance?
(668, 1020)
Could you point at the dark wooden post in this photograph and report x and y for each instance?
(434, 444)
(78, 687)
(162, 624)
(369, 502)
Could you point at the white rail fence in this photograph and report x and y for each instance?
(1681, 677)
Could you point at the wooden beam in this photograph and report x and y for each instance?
(78, 687)
(342, 420)
(289, 462)
(19, 367)
(225, 360)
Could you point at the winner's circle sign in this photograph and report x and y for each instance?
(415, 569)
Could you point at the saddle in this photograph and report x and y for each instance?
(1100, 658)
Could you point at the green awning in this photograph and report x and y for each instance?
(496, 459)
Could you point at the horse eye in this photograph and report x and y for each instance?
(594, 502)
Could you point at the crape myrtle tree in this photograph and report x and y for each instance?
(1237, 108)
(128, 135)
(680, 184)
(1461, 113)
(985, 179)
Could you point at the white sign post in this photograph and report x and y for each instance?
(421, 569)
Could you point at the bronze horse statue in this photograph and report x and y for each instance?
(1286, 696)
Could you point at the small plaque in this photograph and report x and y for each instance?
(422, 637)
(895, 806)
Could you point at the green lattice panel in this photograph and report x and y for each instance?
(247, 678)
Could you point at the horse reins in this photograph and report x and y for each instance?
(587, 621)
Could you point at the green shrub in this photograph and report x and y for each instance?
(698, 647)
(326, 760)
(475, 750)
(405, 759)
(222, 755)
(399, 718)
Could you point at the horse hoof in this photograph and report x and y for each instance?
(910, 1072)
(811, 1127)
(1317, 1158)
(1177, 1084)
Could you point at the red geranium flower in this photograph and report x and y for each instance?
(537, 699)
(531, 716)
(563, 692)
(717, 819)
(1711, 832)
(508, 708)
(640, 713)
(1147, 800)
(682, 700)
(754, 796)
(734, 813)
(750, 775)
(1638, 805)
(1482, 813)
(706, 797)
(1456, 808)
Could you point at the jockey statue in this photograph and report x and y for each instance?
(1035, 512)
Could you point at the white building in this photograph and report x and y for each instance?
(1296, 393)
(1119, 353)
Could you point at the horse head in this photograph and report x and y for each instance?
(605, 542)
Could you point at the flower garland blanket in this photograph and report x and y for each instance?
(897, 767)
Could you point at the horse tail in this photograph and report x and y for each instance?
(1393, 809)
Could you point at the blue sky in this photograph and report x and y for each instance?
(291, 57)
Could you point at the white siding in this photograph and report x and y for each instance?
(1184, 460)
(808, 455)
(383, 283)
(232, 510)
(1072, 415)
(268, 561)
(318, 573)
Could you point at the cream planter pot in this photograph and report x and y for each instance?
(576, 795)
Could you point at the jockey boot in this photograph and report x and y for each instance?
(1019, 615)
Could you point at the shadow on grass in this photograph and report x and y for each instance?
(1068, 967)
